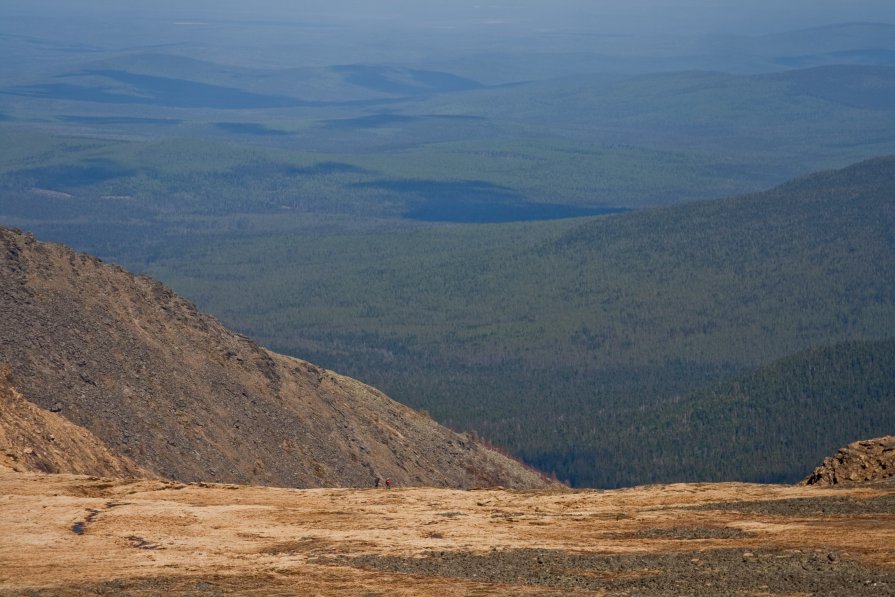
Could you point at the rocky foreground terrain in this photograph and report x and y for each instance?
(76, 535)
(159, 389)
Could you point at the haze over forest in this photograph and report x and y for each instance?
(580, 229)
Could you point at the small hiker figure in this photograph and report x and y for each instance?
(377, 481)
(388, 483)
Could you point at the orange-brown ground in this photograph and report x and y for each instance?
(72, 535)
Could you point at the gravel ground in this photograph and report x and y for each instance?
(696, 573)
(829, 506)
(165, 586)
(685, 533)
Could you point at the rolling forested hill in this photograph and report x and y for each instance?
(749, 427)
(556, 339)
(540, 335)
(576, 143)
(766, 426)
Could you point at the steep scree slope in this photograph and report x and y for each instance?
(185, 398)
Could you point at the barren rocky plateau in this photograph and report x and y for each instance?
(76, 535)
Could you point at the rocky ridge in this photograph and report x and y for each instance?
(866, 461)
(175, 392)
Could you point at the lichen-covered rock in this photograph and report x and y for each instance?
(865, 461)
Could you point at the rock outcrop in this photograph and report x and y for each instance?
(174, 391)
(867, 461)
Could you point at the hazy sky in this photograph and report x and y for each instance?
(629, 16)
(290, 33)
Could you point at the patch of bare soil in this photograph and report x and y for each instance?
(74, 535)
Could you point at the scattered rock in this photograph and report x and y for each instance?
(141, 543)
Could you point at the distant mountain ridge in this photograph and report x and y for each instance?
(833, 38)
(175, 392)
(869, 87)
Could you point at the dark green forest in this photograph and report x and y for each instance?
(571, 333)
(768, 426)
(564, 341)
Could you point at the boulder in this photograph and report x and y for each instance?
(864, 461)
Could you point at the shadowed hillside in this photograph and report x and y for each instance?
(770, 425)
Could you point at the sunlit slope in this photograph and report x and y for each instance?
(151, 382)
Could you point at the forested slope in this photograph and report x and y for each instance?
(556, 339)
(766, 426)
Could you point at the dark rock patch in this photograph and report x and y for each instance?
(695, 573)
(819, 506)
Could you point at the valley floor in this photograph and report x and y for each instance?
(71, 535)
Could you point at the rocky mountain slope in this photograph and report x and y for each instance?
(866, 461)
(184, 398)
